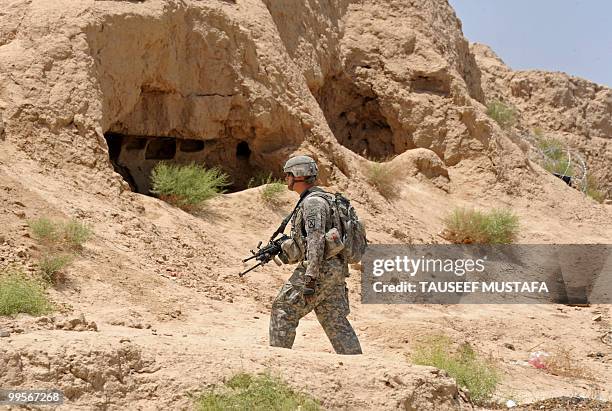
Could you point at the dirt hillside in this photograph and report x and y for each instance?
(94, 93)
(573, 109)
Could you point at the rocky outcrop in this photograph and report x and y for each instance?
(100, 378)
(253, 81)
(571, 108)
(113, 374)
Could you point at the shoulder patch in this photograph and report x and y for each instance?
(311, 222)
(314, 213)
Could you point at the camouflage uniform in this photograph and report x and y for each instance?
(330, 301)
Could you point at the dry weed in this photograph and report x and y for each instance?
(385, 178)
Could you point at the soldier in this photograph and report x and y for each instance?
(317, 283)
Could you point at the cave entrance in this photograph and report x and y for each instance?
(134, 157)
(355, 118)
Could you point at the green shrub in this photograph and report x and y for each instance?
(19, 294)
(503, 114)
(51, 266)
(385, 178)
(478, 376)
(187, 186)
(556, 158)
(59, 240)
(259, 393)
(76, 233)
(59, 234)
(45, 230)
(272, 187)
(271, 193)
(470, 226)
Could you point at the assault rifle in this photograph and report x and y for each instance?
(273, 248)
(266, 253)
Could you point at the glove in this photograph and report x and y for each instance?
(310, 285)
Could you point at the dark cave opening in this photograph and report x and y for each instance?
(356, 119)
(243, 151)
(134, 157)
(163, 148)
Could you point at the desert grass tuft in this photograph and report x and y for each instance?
(466, 226)
(56, 234)
(19, 294)
(76, 233)
(44, 230)
(51, 267)
(502, 113)
(563, 362)
(384, 177)
(255, 392)
(271, 188)
(60, 242)
(480, 377)
(593, 189)
(556, 159)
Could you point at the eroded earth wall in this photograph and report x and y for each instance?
(255, 81)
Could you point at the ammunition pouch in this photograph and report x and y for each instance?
(291, 252)
(333, 243)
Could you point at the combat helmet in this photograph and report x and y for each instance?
(302, 166)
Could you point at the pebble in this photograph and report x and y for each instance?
(4, 334)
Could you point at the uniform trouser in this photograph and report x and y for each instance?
(330, 304)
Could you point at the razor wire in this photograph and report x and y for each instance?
(575, 161)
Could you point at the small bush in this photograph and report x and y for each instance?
(385, 178)
(556, 159)
(271, 192)
(19, 294)
(563, 363)
(478, 376)
(272, 187)
(60, 234)
(51, 266)
(259, 393)
(60, 241)
(187, 186)
(44, 230)
(76, 233)
(471, 226)
(503, 114)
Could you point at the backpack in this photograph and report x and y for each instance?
(352, 231)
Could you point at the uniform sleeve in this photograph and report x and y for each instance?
(315, 217)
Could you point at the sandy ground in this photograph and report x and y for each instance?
(162, 287)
